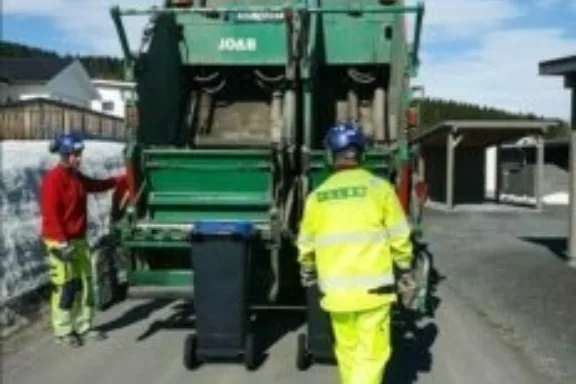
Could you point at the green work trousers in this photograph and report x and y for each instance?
(72, 301)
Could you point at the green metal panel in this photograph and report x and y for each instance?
(181, 179)
(369, 43)
(198, 172)
(186, 214)
(239, 38)
(172, 277)
(188, 185)
(380, 162)
(232, 199)
(254, 32)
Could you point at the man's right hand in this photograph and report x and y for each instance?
(65, 252)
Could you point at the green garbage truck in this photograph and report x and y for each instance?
(231, 102)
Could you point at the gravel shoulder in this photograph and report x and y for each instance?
(509, 266)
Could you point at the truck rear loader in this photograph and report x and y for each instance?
(231, 104)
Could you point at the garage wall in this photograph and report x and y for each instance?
(469, 174)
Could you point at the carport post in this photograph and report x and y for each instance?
(566, 67)
(498, 186)
(571, 82)
(539, 182)
(452, 142)
(450, 171)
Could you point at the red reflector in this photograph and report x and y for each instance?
(412, 117)
(421, 189)
(181, 2)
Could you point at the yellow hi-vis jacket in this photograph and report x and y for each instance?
(352, 232)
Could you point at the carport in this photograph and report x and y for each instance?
(451, 179)
(566, 67)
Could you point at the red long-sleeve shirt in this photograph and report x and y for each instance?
(63, 202)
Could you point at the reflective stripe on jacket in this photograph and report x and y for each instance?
(352, 231)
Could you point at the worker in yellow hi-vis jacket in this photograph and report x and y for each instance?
(353, 232)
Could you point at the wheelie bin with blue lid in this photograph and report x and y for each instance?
(221, 259)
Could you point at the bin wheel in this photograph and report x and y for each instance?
(303, 358)
(250, 352)
(190, 358)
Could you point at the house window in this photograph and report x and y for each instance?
(107, 106)
(126, 95)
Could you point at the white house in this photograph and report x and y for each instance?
(113, 96)
(59, 79)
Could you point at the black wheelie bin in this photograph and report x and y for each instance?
(317, 344)
(221, 259)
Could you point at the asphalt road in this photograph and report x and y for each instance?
(457, 347)
(504, 314)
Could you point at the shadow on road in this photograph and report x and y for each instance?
(181, 319)
(274, 325)
(134, 315)
(557, 245)
(271, 326)
(411, 354)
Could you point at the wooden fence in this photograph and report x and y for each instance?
(42, 119)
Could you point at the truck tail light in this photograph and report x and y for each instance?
(412, 117)
(181, 3)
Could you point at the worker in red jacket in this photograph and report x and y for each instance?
(63, 208)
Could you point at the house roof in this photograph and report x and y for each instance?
(31, 70)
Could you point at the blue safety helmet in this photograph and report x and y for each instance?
(67, 143)
(343, 136)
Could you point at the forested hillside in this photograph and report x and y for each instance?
(105, 67)
(432, 110)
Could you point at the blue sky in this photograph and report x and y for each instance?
(484, 51)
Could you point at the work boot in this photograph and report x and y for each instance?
(70, 340)
(93, 335)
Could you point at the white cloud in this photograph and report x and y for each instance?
(503, 72)
(501, 68)
(448, 19)
(87, 22)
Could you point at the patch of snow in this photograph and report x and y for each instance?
(558, 198)
(524, 199)
(23, 163)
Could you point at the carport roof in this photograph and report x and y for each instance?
(481, 133)
(559, 66)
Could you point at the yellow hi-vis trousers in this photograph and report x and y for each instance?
(363, 345)
(72, 297)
